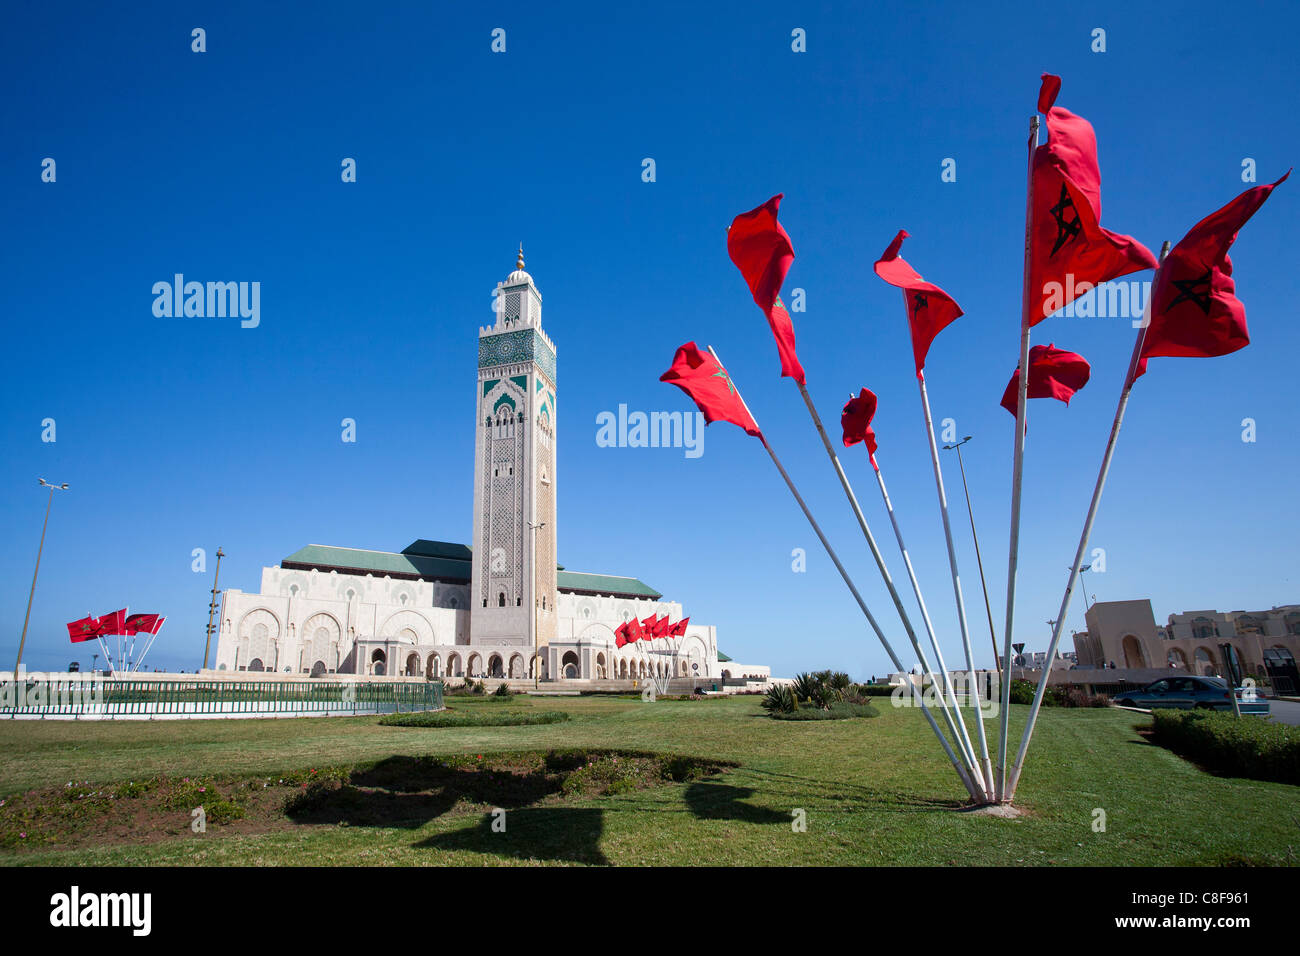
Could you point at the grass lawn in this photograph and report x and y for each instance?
(875, 791)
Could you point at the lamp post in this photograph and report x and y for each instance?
(1084, 588)
(532, 618)
(212, 607)
(49, 501)
(978, 560)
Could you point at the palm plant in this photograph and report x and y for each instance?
(805, 686)
(779, 699)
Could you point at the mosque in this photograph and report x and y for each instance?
(499, 607)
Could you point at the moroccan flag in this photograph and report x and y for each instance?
(929, 309)
(1194, 311)
(87, 629)
(662, 627)
(620, 635)
(700, 376)
(1069, 251)
(761, 250)
(679, 629)
(634, 632)
(114, 623)
(143, 624)
(856, 421)
(1053, 373)
(649, 626)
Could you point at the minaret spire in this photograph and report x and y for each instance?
(519, 263)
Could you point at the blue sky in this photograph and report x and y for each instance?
(177, 434)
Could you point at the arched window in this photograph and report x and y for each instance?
(1248, 624)
(501, 599)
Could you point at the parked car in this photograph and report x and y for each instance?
(1186, 693)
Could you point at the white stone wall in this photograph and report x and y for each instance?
(335, 623)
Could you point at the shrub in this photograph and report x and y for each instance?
(778, 699)
(496, 718)
(478, 688)
(503, 690)
(1225, 744)
(804, 686)
(822, 689)
(840, 710)
(1022, 692)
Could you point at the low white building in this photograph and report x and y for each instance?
(488, 609)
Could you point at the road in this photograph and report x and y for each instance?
(1285, 712)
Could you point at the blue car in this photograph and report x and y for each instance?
(1186, 693)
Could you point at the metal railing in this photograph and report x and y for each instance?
(96, 697)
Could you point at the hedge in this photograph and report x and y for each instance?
(1235, 747)
(840, 710)
(442, 718)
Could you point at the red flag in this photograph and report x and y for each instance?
(929, 309)
(761, 250)
(1194, 311)
(86, 629)
(700, 376)
(856, 421)
(1053, 373)
(114, 623)
(649, 625)
(620, 635)
(634, 632)
(1069, 251)
(143, 624)
(662, 627)
(679, 629)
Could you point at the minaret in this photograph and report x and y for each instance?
(514, 472)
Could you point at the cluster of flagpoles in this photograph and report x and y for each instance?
(653, 628)
(126, 628)
(1063, 216)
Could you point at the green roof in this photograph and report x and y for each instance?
(439, 549)
(377, 562)
(604, 584)
(723, 658)
(447, 562)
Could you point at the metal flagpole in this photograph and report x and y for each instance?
(1059, 624)
(1017, 469)
(944, 686)
(966, 778)
(22, 641)
(956, 575)
(988, 609)
(929, 626)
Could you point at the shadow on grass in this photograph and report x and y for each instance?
(847, 796)
(721, 801)
(561, 834)
(408, 792)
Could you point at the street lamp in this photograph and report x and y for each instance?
(532, 618)
(1086, 607)
(978, 560)
(49, 501)
(212, 607)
